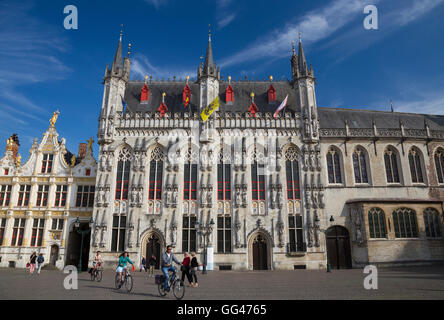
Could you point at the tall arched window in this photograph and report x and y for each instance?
(334, 166)
(431, 222)
(292, 170)
(156, 172)
(190, 177)
(415, 166)
(391, 165)
(376, 223)
(123, 171)
(439, 164)
(257, 177)
(404, 221)
(223, 178)
(360, 166)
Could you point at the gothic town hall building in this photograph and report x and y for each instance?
(308, 187)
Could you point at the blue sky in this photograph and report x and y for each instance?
(44, 67)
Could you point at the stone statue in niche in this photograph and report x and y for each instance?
(238, 197)
(203, 196)
(307, 127)
(169, 196)
(175, 195)
(310, 235)
(315, 198)
(307, 196)
(210, 197)
(244, 196)
(96, 235)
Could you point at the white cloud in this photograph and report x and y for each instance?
(223, 22)
(141, 66)
(156, 3)
(432, 104)
(315, 25)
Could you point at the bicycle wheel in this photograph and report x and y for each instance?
(129, 283)
(117, 282)
(162, 292)
(99, 275)
(178, 289)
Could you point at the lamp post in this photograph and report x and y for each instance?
(82, 233)
(317, 225)
(205, 231)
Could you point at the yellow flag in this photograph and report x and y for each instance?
(208, 111)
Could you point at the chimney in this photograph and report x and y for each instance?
(82, 150)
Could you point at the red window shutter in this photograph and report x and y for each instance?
(253, 109)
(145, 95)
(229, 94)
(163, 109)
(271, 95)
(186, 94)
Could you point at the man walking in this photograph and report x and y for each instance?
(40, 261)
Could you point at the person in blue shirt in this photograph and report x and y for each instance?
(123, 261)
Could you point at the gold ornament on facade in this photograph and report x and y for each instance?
(19, 160)
(9, 144)
(90, 143)
(53, 119)
(73, 160)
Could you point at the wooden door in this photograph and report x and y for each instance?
(153, 248)
(260, 253)
(338, 248)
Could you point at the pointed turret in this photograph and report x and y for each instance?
(209, 68)
(117, 66)
(299, 64)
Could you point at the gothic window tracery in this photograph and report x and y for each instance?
(360, 166)
(123, 171)
(405, 224)
(439, 164)
(190, 177)
(223, 178)
(334, 166)
(415, 166)
(376, 223)
(258, 176)
(391, 165)
(156, 173)
(292, 170)
(431, 222)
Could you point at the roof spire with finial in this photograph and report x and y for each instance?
(209, 56)
(117, 66)
(302, 62)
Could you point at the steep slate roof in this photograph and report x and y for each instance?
(242, 99)
(333, 118)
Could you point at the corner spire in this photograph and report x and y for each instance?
(117, 66)
(208, 68)
(209, 56)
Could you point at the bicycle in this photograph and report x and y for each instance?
(127, 280)
(177, 285)
(96, 274)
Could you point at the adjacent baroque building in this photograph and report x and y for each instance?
(41, 199)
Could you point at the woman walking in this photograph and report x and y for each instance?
(194, 265)
(186, 268)
(32, 260)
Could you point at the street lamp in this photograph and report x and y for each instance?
(205, 231)
(317, 225)
(83, 233)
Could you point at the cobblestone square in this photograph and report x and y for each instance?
(415, 283)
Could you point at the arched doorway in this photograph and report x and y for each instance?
(74, 244)
(152, 244)
(259, 252)
(338, 248)
(54, 256)
(153, 248)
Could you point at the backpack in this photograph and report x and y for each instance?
(40, 259)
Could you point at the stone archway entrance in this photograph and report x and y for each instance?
(54, 256)
(153, 245)
(260, 252)
(338, 248)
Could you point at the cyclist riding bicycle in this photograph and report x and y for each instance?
(123, 261)
(97, 261)
(167, 265)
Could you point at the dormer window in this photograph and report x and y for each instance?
(229, 95)
(87, 172)
(145, 95)
(186, 96)
(271, 95)
(6, 171)
(47, 163)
